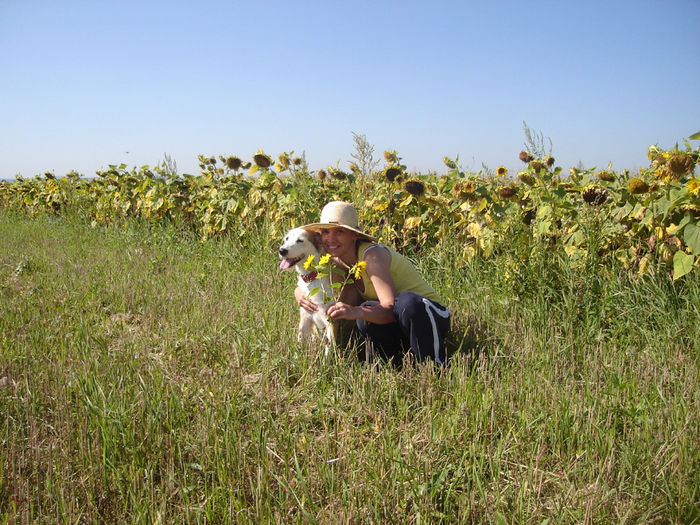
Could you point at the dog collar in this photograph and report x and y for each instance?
(309, 277)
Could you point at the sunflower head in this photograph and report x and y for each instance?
(284, 160)
(681, 164)
(594, 195)
(392, 173)
(501, 171)
(637, 186)
(549, 161)
(525, 177)
(234, 163)
(606, 176)
(297, 161)
(392, 157)
(321, 174)
(525, 156)
(414, 187)
(262, 160)
(449, 163)
(506, 192)
(536, 165)
(337, 174)
(694, 186)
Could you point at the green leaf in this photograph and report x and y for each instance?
(682, 264)
(695, 136)
(691, 236)
(313, 292)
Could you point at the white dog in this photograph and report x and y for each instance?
(298, 244)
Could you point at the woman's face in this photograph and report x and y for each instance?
(340, 243)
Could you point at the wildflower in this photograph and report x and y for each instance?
(502, 171)
(359, 269)
(606, 176)
(308, 262)
(694, 186)
(262, 160)
(525, 156)
(325, 259)
(414, 187)
(637, 186)
(234, 163)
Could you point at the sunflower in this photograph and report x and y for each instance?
(321, 174)
(525, 177)
(284, 160)
(449, 163)
(680, 164)
(359, 269)
(694, 186)
(525, 156)
(234, 163)
(501, 171)
(392, 172)
(506, 192)
(549, 160)
(297, 161)
(414, 187)
(390, 157)
(594, 195)
(536, 165)
(606, 176)
(637, 186)
(262, 160)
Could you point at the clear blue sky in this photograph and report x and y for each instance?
(85, 82)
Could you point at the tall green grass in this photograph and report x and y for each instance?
(149, 377)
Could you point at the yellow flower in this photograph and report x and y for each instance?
(501, 171)
(360, 269)
(694, 186)
(325, 259)
(309, 261)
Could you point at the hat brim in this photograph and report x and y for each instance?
(318, 226)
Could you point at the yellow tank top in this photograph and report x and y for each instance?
(405, 276)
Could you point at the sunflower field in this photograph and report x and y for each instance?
(648, 221)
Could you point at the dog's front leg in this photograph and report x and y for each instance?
(306, 323)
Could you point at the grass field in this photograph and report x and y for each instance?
(149, 377)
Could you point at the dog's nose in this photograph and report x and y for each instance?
(283, 251)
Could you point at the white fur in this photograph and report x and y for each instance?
(296, 247)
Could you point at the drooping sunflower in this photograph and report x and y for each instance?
(262, 160)
(594, 195)
(525, 177)
(321, 174)
(390, 156)
(506, 192)
(680, 164)
(537, 166)
(414, 187)
(525, 156)
(606, 176)
(637, 186)
(449, 163)
(234, 163)
(392, 173)
(284, 160)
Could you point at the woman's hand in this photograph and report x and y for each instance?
(303, 301)
(342, 310)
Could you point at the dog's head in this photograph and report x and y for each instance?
(296, 247)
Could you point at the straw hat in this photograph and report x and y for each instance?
(339, 214)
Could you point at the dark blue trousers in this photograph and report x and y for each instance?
(420, 328)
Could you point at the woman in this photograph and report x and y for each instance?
(393, 306)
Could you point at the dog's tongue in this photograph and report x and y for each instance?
(285, 263)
